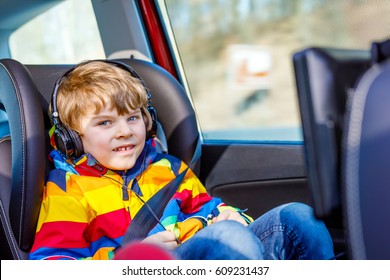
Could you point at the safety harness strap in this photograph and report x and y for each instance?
(150, 213)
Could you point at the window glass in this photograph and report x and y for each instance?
(39, 41)
(237, 56)
(4, 126)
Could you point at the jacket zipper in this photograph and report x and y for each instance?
(125, 194)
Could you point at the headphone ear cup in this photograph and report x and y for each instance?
(62, 141)
(153, 114)
(68, 142)
(78, 149)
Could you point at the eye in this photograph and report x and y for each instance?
(104, 123)
(134, 117)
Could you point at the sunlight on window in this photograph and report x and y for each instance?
(39, 41)
(237, 57)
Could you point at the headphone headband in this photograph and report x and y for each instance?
(67, 140)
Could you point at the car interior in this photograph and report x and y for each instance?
(339, 168)
(345, 135)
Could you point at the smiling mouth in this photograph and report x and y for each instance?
(126, 148)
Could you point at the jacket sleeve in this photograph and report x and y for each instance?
(62, 224)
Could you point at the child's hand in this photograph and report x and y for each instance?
(230, 215)
(166, 239)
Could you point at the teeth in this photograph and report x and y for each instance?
(122, 149)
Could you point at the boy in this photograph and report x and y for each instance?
(91, 199)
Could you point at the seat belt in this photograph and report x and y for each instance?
(150, 213)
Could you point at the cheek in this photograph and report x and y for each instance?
(143, 132)
(140, 131)
(93, 144)
(85, 145)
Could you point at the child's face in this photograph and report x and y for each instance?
(115, 141)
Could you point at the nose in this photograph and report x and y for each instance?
(124, 129)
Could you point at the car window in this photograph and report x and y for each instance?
(39, 40)
(237, 57)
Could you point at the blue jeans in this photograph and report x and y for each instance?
(287, 232)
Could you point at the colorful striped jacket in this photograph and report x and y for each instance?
(87, 208)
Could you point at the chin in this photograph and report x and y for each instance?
(121, 167)
(120, 163)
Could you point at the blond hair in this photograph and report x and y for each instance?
(94, 83)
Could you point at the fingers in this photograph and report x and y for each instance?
(224, 215)
(230, 215)
(167, 239)
(167, 236)
(170, 245)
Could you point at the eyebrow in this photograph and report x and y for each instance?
(110, 115)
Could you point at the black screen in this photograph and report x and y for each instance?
(324, 78)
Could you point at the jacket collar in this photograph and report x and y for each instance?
(87, 165)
